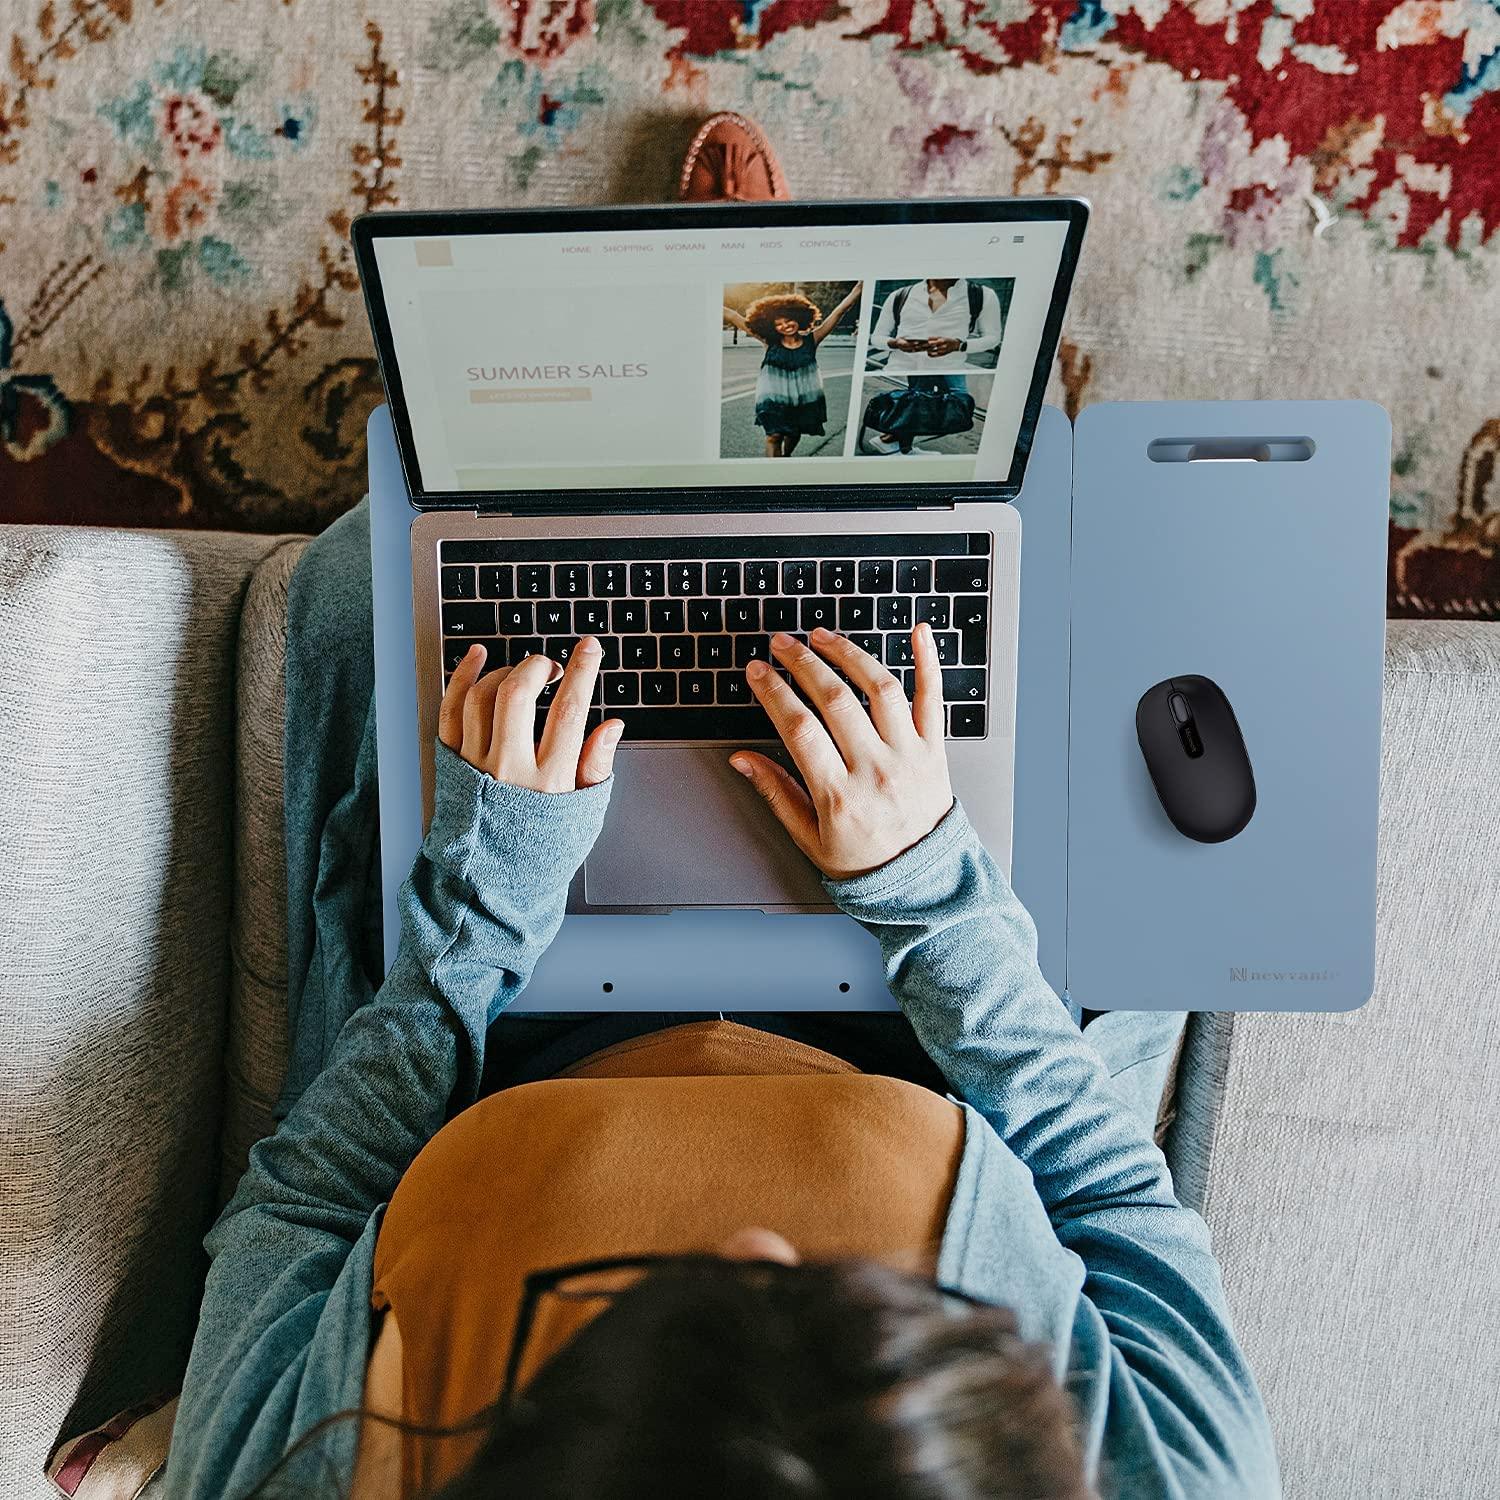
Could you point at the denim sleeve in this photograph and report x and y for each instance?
(283, 1337)
(1168, 1403)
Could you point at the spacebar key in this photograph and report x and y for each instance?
(743, 725)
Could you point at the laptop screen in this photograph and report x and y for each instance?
(660, 350)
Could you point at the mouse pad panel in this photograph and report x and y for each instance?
(1244, 542)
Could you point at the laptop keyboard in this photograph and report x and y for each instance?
(680, 617)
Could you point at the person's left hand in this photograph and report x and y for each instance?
(490, 721)
(937, 347)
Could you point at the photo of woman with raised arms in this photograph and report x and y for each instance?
(790, 401)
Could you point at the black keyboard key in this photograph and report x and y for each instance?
(856, 614)
(748, 648)
(907, 677)
(591, 617)
(534, 581)
(677, 651)
(738, 726)
(963, 575)
(628, 617)
(519, 647)
(876, 576)
(553, 617)
(497, 582)
(971, 613)
(455, 651)
(559, 648)
(638, 652)
(572, 580)
(516, 619)
(715, 651)
(658, 688)
(704, 615)
(667, 617)
(817, 612)
(609, 580)
(898, 651)
(799, 578)
(620, 687)
(966, 721)
(933, 610)
(893, 613)
(761, 577)
(946, 642)
(609, 653)
(468, 620)
(458, 583)
(779, 614)
(685, 578)
(695, 688)
(722, 578)
(733, 687)
(963, 684)
(837, 577)
(648, 580)
(742, 614)
(869, 642)
(914, 575)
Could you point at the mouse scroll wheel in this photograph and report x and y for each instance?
(1181, 713)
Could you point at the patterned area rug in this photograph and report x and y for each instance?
(1292, 198)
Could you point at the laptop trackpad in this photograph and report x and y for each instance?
(686, 829)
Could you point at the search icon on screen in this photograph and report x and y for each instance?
(994, 239)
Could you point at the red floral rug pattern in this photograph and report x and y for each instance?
(1292, 198)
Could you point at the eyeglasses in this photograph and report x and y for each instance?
(604, 1281)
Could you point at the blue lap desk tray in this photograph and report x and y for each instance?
(1307, 611)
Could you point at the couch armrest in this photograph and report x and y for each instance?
(1346, 1163)
(255, 1059)
(117, 658)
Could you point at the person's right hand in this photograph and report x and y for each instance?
(491, 721)
(909, 346)
(877, 782)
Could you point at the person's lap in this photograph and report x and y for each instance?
(334, 880)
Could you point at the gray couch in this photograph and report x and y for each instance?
(1347, 1164)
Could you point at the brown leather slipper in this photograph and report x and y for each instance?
(730, 159)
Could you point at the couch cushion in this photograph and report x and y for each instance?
(1349, 1175)
(116, 738)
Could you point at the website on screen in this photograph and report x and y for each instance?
(854, 355)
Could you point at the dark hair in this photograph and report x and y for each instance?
(836, 1381)
(761, 315)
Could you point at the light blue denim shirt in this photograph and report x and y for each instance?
(1063, 1208)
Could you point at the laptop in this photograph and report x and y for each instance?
(683, 428)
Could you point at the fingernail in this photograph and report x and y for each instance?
(822, 633)
(782, 639)
(925, 630)
(756, 668)
(615, 731)
(589, 644)
(472, 649)
(741, 767)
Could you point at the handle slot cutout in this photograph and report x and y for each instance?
(1230, 450)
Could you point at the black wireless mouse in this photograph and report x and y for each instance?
(1196, 756)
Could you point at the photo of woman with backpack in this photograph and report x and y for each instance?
(933, 333)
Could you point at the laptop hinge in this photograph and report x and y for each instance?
(710, 510)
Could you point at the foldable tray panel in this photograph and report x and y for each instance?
(1245, 542)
